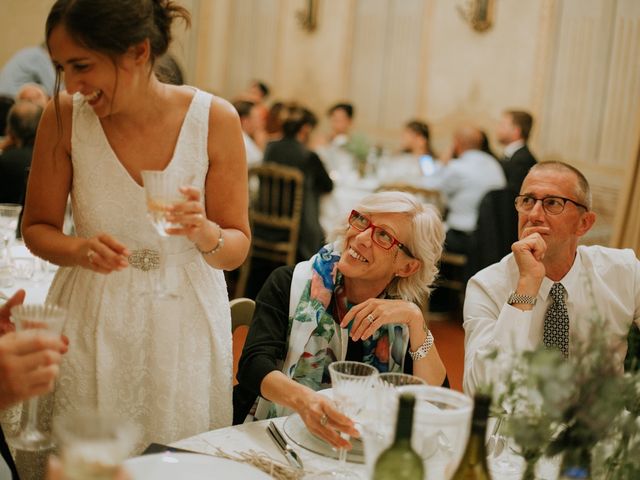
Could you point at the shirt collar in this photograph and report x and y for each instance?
(570, 282)
(513, 147)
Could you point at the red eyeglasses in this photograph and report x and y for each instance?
(379, 235)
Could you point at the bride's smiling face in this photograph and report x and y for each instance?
(106, 83)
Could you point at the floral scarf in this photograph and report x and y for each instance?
(315, 338)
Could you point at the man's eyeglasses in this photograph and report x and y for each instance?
(551, 205)
(379, 235)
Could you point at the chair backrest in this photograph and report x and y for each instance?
(496, 229)
(426, 195)
(276, 211)
(241, 312)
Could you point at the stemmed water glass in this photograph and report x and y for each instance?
(9, 216)
(162, 189)
(41, 319)
(350, 384)
(501, 458)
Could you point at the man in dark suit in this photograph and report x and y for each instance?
(15, 159)
(513, 133)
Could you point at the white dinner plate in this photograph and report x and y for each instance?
(189, 466)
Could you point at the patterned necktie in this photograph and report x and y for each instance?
(556, 322)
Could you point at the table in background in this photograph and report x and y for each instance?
(38, 285)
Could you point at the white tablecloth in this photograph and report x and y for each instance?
(37, 286)
(253, 436)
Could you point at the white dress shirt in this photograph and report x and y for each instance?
(464, 181)
(253, 152)
(604, 281)
(512, 148)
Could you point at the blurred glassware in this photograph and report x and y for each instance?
(42, 319)
(94, 444)
(24, 267)
(9, 217)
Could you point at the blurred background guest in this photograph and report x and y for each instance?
(292, 151)
(463, 187)
(29, 65)
(168, 70)
(33, 92)
(415, 139)
(340, 123)
(273, 122)
(513, 133)
(15, 159)
(252, 125)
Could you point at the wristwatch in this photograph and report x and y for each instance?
(521, 299)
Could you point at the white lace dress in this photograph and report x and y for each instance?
(167, 365)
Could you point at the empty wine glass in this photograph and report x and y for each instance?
(162, 190)
(350, 384)
(9, 216)
(42, 319)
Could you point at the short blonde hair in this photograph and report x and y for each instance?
(425, 242)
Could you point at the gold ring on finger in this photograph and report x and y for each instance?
(371, 318)
(324, 419)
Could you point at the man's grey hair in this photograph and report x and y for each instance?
(583, 190)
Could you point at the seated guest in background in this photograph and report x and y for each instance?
(292, 151)
(340, 121)
(252, 123)
(258, 93)
(486, 146)
(34, 93)
(513, 133)
(273, 122)
(367, 284)
(168, 70)
(29, 365)
(15, 159)
(546, 289)
(415, 139)
(29, 65)
(463, 182)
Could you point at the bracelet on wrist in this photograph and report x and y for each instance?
(423, 349)
(218, 245)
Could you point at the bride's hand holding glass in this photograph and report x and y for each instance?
(103, 254)
(192, 218)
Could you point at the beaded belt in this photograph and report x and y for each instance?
(145, 259)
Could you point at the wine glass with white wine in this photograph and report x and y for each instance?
(162, 189)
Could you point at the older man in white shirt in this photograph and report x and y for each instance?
(464, 181)
(549, 288)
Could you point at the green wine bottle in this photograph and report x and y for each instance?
(400, 461)
(474, 461)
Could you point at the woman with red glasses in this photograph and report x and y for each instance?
(367, 286)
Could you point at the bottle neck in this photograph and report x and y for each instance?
(404, 426)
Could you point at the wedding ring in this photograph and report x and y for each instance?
(371, 318)
(324, 419)
(90, 255)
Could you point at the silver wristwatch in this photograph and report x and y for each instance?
(521, 299)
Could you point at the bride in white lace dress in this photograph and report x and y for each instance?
(165, 364)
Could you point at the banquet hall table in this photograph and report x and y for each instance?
(253, 436)
(32, 275)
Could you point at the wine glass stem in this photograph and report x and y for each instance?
(31, 423)
(342, 454)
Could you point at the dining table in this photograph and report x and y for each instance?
(253, 436)
(30, 273)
